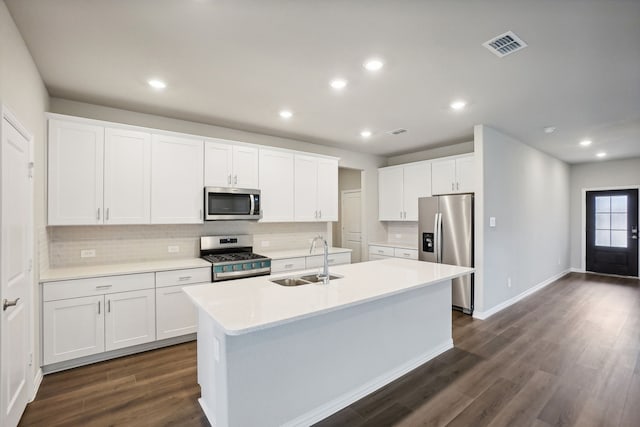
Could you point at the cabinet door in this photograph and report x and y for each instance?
(443, 176)
(417, 183)
(127, 177)
(306, 188)
(177, 195)
(465, 174)
(72, 328)
(75, 173)
(276, 185)
(390, 189)
(328, 189)
(218, 164)
(130, 318)
(175, 313)
(245, 167)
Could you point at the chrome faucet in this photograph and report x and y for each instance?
(325, 269)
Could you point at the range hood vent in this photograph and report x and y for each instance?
(505, 44)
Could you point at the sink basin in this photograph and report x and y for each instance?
(304, 280)
(313, 278)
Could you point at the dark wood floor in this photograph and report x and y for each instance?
(569, 355)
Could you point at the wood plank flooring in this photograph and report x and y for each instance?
(569, 355)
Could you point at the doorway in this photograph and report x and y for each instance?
(612, 232)
(16, 264)
(350, 234)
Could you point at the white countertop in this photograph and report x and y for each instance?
(246, 305)
(70, 273)
(295, 253)
(395, 245)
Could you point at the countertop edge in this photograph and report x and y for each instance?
(394, 245)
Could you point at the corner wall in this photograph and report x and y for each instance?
(24, 94)
(527, 191)
(597, 175)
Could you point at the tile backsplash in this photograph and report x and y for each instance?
(402, 232)
(115, 244)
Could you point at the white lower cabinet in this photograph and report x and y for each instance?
(311, 261)
(383, 252)
(333, 259)
(176, 314)
(72, 328)
(130, 319)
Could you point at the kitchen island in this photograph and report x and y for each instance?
(272, 355)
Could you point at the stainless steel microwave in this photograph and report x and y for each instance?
(222, 203)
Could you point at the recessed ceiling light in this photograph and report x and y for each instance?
(157, 84)
(373, 64)
(458, 105)
(286, 114)
(585, 142)
(549, 129)
(338, 84)
(365, 133)
(601, 154)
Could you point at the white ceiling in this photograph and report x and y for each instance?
(237, 63)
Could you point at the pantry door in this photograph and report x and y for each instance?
(612, 232)
(16, 254)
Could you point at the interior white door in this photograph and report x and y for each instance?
(306, 188)
(127, 177)
(130, 318)
(327, 189)
(245, 167)
(390, 187)
(276, 185)
(350, 219)
(218, 164)
(15, 270)
(417, 183)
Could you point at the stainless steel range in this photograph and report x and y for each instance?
(232, 257)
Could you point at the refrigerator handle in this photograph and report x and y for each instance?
(439, 238)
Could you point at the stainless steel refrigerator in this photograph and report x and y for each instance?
(446, 236)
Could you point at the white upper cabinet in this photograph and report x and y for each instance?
(229, 165)
(316, 188)
(399, 188)
(276, 185)
(127, 177)
(177, 180)
(453, 175)
(76, 152)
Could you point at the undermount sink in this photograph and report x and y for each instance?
(303, 280)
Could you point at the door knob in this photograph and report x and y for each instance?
(6, 303)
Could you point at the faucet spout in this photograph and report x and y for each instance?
(325, 269)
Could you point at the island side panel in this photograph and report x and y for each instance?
(301, 372)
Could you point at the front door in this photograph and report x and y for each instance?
(612, 232)
(15, 271)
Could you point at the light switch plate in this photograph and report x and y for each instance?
(492, 221)
(172, 249)
(88, 253)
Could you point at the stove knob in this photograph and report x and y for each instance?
(235, 267)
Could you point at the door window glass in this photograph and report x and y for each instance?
(611, 221)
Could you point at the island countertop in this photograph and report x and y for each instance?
(246, 305)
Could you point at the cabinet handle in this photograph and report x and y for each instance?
(457, 185)
(106, 215)
(99, 302)
(400, 214)
(200, 213)
(108, 306)
(184, 278)
(380, 252)
(229, 179)
(171, 293)
(406, 254)
(315, 214)
(288, 266)
(98, 214)
(235, 179)
(320, 213)
(103, 287)
(452, 186)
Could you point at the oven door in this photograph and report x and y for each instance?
(230, 203)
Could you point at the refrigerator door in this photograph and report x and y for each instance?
(427, 219)
(457, 244)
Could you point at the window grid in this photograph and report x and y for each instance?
(611, 221)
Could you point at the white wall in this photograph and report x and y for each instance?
(614, 173)
(23, 93)
(432, 153)
(527, 192)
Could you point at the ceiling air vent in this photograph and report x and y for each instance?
(505, 44)
(397, 131)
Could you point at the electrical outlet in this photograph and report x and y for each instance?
(492, 221)
(265, 243)
(172, 249)
(88, 253)
(508, 282)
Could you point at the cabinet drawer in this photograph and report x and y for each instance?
(334, 259)
(405, 253)
(183, 277)
(96, 286)
(381, 250)
(288, 264)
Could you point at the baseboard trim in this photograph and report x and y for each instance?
(482, 315)
(576, 270)
(101, 357)
(37, 380)
(348, 398)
